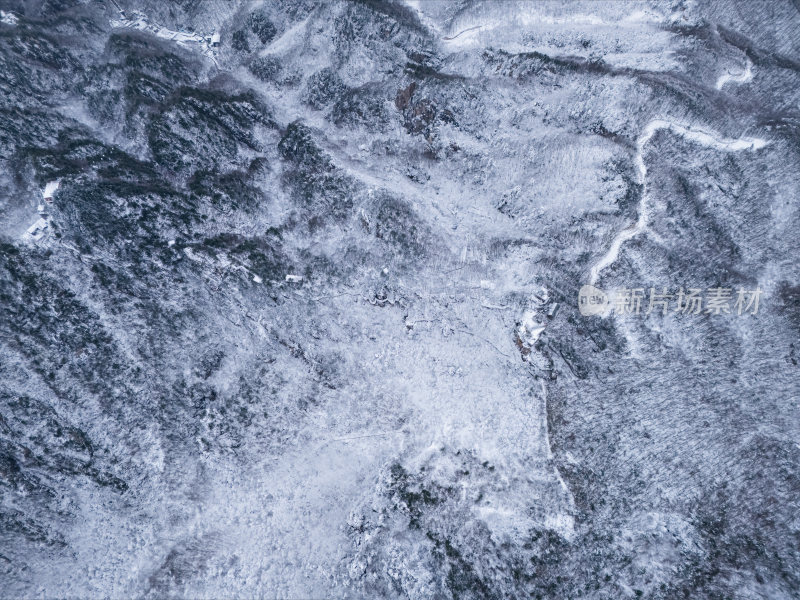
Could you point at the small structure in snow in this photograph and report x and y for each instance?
(50, 190)
(36, 231)
(294, 278)
(530, 328)
(215, 39)
(380, 298)
(257, 279)
(533, 321)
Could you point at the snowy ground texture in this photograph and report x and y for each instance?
(289, 299)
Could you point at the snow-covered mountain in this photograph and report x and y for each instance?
(289, 299)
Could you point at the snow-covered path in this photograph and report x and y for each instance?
(700, 136)
(184, 39)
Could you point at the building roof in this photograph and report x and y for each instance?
(50, 189)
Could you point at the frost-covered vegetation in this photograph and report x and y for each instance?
(302, 320)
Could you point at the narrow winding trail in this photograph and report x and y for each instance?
(468, 29)
(695, 134)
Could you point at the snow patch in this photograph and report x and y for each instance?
(8, 18)
(191, 255)
(743, 77)
(563, 523)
